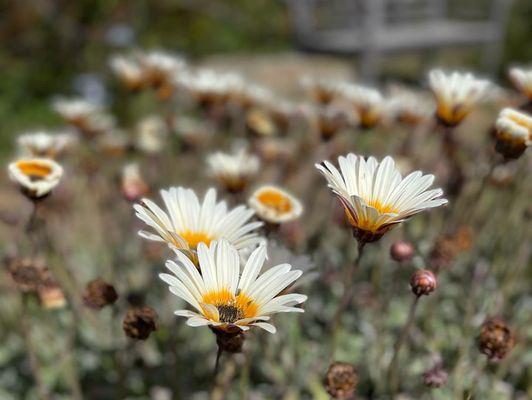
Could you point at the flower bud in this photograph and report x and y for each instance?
(402, 251)
(341, 380)
(229, 340)
(98, 294)
(139, 323)
(496, 339)
(423, 282)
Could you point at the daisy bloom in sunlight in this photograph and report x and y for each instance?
(513, 130)
(234, 171)
(186, 222)
(44, 144)
(375, 197)
(368, 103)
(456, 94)
(409, 107)
(76, 110)
(35, 176)
(225, 299)
(522, 80)
(275, 205)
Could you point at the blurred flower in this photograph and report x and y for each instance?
(408, 106)
(152, 133)
(423, 282)
(368, 103)
(133, 186)
(51, 296)
(113, 143)
(330, 120)
(456, 94)
(260, 123)
(233, 171)
(35, 176)
(193, 132)
(321, 91)
(341, 380)
(448, 246)
(99, 294)
(189, 223)
(375, 197)
(76, 110)
(513, 130)
(435, 377)
(522, 80)
(275, 205)
(129, 71)
(402, 251)
(496, 339)
(44, 144)
(140, 322)
(159, 67)
(224, 299)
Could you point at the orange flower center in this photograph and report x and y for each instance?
(230, 308)
(33, 169)
(275, 200)
(195, 238)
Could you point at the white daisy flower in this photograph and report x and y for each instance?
(522, 80)
(152, 133)
(234, 171)
(322, 91)
(128, 70)
(408, 106)
(367, 101)
(187, 222)
(76, 109)
(374, 195)
(275, 205)
(513, 131)
(35, 176)
(160, 67)
(225, 299)
(456, 94)
(44, 144)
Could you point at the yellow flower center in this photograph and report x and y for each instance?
(34, 169)
(230, 308)
(195, 238)
(382, 208)
(275, 200)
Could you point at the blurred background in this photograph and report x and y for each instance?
(50, 47)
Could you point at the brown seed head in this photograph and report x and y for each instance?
(28, 274)
(402, 251)
(98, 294)
(341, 380)
(423, 282)
(140, 322)
(496, 339)
(229, 339)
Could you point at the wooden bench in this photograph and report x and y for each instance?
(371, 28)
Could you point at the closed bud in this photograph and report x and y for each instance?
(402, 251)
(139, 323)
(423, 282)
(496, 339)
(98, 294)
(341, 380)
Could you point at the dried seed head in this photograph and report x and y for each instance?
(496, 339)
(28, 274)
(98, 294)
(229, 340)
(423, 282)
(51, 296)
(402, 251)
(139, 323)
(435, 377)
(341, 380)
